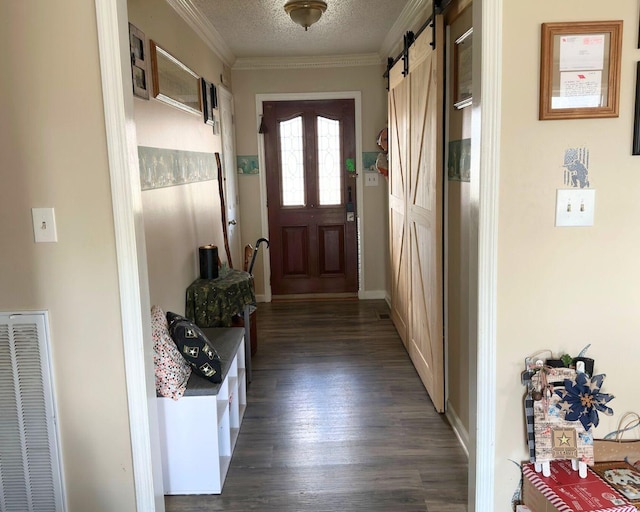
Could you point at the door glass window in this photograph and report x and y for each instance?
(292, 158)
(329, 161)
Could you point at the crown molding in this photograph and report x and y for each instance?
(411, 18)
(325, 61)
(204, 29)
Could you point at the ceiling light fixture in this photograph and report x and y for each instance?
(305, 12)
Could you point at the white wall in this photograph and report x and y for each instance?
(458, 224)
(561, 288)
(53, 154)
(181, 218)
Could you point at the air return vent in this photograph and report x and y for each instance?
(30, 477)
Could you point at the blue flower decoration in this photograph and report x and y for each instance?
(581, 400)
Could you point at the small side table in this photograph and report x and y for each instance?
(214, 302)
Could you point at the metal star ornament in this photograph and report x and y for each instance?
(581, 400)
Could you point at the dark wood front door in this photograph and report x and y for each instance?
(311, 196)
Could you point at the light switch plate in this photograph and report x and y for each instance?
(44, 225)
(575, 207)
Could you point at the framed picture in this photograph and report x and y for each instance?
(209, 101)
(138, 52)
(173, 82)
(580, 70)
(462, 60)
(623, 477)
(636, 119)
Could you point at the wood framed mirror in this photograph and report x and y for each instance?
(173, 82)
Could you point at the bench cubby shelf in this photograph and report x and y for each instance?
(198, 432)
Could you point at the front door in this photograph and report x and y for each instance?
(311, 196)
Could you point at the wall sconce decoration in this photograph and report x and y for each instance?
(305, 12)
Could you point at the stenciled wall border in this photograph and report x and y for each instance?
(249, 164)
(161, 168)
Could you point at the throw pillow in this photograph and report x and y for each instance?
(172, 317)
(195, 348)
(171, 370)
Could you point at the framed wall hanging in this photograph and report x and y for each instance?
(636, 118)
(214, 96)
(173, 82)
(138, 53)
(206, 88)
(462, 60)
(580, 70)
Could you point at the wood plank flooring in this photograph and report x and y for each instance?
(337, 420)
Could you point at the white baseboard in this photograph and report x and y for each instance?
(371, 294)
(458, 428)
(362, 295)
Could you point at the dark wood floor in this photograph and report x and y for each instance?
(337, 420)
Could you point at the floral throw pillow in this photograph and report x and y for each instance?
(172, 371)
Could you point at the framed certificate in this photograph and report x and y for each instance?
(580, 70)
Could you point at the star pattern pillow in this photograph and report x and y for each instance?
(195, 348)
(171, 370)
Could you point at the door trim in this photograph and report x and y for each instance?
(357, 97)
(122, 149)
(111, 22)
(230, 172)
(485, 181)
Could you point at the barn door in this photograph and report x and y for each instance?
(398, 241)
(425, 211)
(417, 305)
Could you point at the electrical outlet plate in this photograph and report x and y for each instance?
(44, 225)
(371, 179)
(575, 207)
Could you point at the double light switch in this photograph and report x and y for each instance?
(575, 207)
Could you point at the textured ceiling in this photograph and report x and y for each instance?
(261, 28)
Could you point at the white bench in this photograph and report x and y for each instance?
(198, 432)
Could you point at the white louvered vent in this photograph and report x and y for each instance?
(30, 477)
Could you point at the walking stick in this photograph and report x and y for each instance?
(224, 211)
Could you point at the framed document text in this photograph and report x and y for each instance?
(580, 69)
